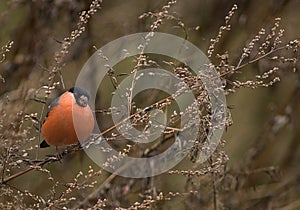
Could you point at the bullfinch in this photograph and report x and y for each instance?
(69, 120)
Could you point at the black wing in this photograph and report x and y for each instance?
(44, 144)
(52, 105)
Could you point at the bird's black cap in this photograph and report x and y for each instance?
(78, 91)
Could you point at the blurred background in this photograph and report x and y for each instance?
(262, 144)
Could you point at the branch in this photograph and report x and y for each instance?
(50, 159)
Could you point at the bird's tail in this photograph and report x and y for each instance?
(44, 144)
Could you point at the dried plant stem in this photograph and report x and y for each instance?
(5, 180)
(103, 184)
(239, 66)
(40, 163)
(214, 191)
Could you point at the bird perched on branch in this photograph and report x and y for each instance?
(69, 120)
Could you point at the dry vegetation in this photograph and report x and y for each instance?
(254, 167)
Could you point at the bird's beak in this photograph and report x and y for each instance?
(83, 101)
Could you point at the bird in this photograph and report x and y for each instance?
(69, 119)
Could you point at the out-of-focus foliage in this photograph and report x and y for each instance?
(254, 46)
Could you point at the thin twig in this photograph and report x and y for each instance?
(103, 184)
(70, 149)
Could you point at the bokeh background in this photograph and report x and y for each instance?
(262, 143)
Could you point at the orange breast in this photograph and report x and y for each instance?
(67, 122)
